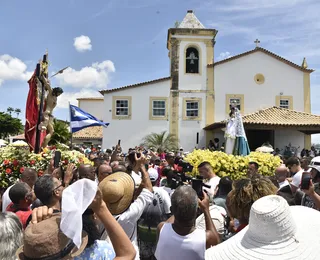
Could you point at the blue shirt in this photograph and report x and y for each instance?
(100, 250)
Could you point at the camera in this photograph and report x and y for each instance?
(186, 167)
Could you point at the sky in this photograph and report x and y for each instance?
(112, 43)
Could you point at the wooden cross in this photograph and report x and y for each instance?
(257, 42)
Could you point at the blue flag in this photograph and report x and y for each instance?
(80, 119)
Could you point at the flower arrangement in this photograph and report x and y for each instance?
(14, 159)
(233, 166)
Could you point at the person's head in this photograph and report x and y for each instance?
(225, 185)
(153, 175)
(205, 170)
(120, 168)
(245, 192)
(11, 235)
(92, 156)
(86, 171)
(114, 164)
(293, 164)
(282, 173)
(90, 227)
(170, 158)
(48, 190)
(104, 170)
(157, 161)
(57, 91)
(216, 140)
(21, 195)
(305, 163)
(253, 168)
(29, 176)
(184, 203)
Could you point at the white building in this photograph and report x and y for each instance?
(195, 98)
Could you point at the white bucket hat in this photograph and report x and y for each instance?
(275, 231)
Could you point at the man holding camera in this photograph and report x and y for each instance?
(178, 238)
(206, 171)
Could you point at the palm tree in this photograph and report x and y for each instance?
(10, 110)
(161, 142)
(61, 133)
(17, 111)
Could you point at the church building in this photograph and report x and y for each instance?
(193, 102)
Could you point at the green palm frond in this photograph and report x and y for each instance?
(161, 141)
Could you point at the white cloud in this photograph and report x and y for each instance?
(224, 55)
(12, 68)
(95, 76)
(66, 97)
(82, 43)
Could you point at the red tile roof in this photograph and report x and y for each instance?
(93, 132)
(134, 85)
(257, 49)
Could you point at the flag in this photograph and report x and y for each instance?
(80, 119)
(32, 113)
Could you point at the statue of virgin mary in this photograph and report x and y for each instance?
(236, 140)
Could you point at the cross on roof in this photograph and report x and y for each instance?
(257, 42)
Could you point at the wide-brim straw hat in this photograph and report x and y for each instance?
(275, 231)
(117, 192)
(45, 240)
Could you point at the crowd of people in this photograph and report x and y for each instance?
(141, 204)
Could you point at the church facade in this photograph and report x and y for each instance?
(194, 100)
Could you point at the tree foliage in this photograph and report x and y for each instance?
(9, 125)
(17, 111)
(161, 142)
(61, 133)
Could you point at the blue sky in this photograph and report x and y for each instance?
(112, 43)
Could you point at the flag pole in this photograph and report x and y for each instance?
(70, 126)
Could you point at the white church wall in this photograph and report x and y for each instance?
(283, 137)
(131, 132)
(93, 107)
(237, 77)
(188, 129)
(193, 81)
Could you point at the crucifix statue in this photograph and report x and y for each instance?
(257, 42)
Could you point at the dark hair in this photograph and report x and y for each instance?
(292, 160)
(89, 226)
(255, 164)
(43, 189)
(205, 163)
(216, 140)
(57, 91)
(18, 192)
(225, 185)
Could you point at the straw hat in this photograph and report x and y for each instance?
(275, 231)
(117, 192)
(46, 240)
(265, 148)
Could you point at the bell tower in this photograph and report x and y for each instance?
(191, 49)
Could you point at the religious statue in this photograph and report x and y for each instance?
(236, 140)
(50, 103)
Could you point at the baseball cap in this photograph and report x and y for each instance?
(153, 174)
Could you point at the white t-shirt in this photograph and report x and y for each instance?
(128, 219)
(296, 179)
(173, 246)
(213, 182)
(6, 199)
(282, 184)
(165, 198)
(137, 178)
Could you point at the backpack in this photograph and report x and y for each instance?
(153, 214)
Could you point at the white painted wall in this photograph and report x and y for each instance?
(237, 77)
(93, 107)
(131, 132)
(283, 137)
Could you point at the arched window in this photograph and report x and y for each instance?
(192, 60)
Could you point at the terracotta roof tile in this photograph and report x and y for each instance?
(266, 52)
(93, 132)
(134, 85)
(275, 116)
(90, 98)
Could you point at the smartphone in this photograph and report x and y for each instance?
(57, 159)
(305, 180)
(119, 142)
(197, 186)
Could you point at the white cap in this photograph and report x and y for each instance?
(153, 174)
